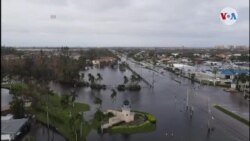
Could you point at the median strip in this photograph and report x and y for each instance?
(233, 115)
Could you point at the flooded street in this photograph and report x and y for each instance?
(167, 101)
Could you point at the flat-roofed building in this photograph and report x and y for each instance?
(12, 128)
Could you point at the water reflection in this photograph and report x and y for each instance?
(40, 132)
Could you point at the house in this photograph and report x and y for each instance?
(10, 57)
(11, 128)
(205, 55)
(221, 55)
(164, 60)
(237, 55)
(103, 60)
(96, 62)
(184, 67)
(196, 54)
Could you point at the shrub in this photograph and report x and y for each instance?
(135, 87)
(98, 86)
(121, 87)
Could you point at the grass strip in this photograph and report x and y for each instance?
(233, 115)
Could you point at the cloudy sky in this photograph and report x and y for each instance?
(122, 23)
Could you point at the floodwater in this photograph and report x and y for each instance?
(167, 101)
(5, 97)
(39, 132)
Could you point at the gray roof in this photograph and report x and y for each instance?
(12, 126)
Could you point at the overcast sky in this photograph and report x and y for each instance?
(122, 23)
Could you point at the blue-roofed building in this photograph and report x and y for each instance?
(231, 73)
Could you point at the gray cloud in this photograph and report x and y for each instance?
(122, 23)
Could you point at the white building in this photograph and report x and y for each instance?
(96, 62)
(184, 67)
(125, 115)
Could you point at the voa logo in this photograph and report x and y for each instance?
(228, 16)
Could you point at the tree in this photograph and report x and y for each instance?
(113, 93)
(126, 102)
(133, 78)
(75, 121)
(91, 78)
(82, 61)
(192, 77)
(65, 100)
(19, 89)
(99, 76)
(215, 70)
(243, 78)
(73, 97)
(17, 107)
(98, 101)
(125, 79)
(121, 87)
(82, 76)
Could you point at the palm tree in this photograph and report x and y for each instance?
(99, 76)
(73, 96)
(113, 93)
(91, 78)
(243, 78)
(82, 76)
(74, 122)
(192, 77)
(215, 70)
(125, 79)
(98, 101)
(240, 78)
(133, 78)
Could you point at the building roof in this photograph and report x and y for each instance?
(233, 71)
(7, 117)
(12, 126)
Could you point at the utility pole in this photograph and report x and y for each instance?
(48, 113)
(187, 101)
(210, 128)
(154, 62)
(244, 89)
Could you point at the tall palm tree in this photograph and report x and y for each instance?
(73, 97)
(215, 70)
(91, 78)
(133, 78)
(99, 76)
(125, 79)
(114, 93)
(98, 101)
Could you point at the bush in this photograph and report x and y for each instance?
(18, 88)
(135, 87)
(98, 86)
(121, 87)
(150, 118)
